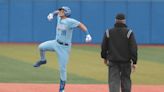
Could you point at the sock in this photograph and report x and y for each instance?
(62, 85)
(42, 55)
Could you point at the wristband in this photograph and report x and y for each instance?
(87, 32)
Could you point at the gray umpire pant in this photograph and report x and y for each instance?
(119, 75)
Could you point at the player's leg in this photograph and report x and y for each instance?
(43, 47)
(63, 56)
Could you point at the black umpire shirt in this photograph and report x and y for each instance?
(119, 45)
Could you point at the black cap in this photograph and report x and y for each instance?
(120, 16)
(60, 9)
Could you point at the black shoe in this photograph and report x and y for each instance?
(37, 64)
(62, 86)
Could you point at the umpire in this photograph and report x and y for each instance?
(119, 51)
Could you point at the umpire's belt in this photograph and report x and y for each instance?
(62, 43)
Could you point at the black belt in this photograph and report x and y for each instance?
(62, 43)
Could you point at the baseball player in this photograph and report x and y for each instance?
(62, 43)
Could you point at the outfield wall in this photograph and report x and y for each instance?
(25, 20)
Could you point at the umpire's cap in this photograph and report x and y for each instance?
(67, 10)
(120, 16)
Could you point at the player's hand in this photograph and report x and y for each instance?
(50, 16)
(88, 38)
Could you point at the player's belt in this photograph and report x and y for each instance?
(62, 43)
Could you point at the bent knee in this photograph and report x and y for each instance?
(41, 47)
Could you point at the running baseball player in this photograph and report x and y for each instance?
(62, 43)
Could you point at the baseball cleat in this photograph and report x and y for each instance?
(37, 64)
(61, 91)
(62, 86)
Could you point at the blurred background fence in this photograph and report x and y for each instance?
(26, 20)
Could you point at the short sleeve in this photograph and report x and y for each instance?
(74, 23)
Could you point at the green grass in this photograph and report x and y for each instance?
(85, 65)
(18, 71)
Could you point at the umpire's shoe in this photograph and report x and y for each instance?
(37, 64)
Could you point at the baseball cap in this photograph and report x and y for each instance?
(120, 16)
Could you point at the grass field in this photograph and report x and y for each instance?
(85, 65)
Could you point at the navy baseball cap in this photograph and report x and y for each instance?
(120, 16)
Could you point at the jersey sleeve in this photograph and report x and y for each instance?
(74, 23)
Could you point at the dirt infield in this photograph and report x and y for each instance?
(15, 87)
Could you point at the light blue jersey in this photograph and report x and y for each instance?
(62, 43)
(65, 28)
(64, 32)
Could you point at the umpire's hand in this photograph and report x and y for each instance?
(106, 62)
(134, 66)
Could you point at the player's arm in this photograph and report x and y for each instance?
(84, 29)
(52, 14)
